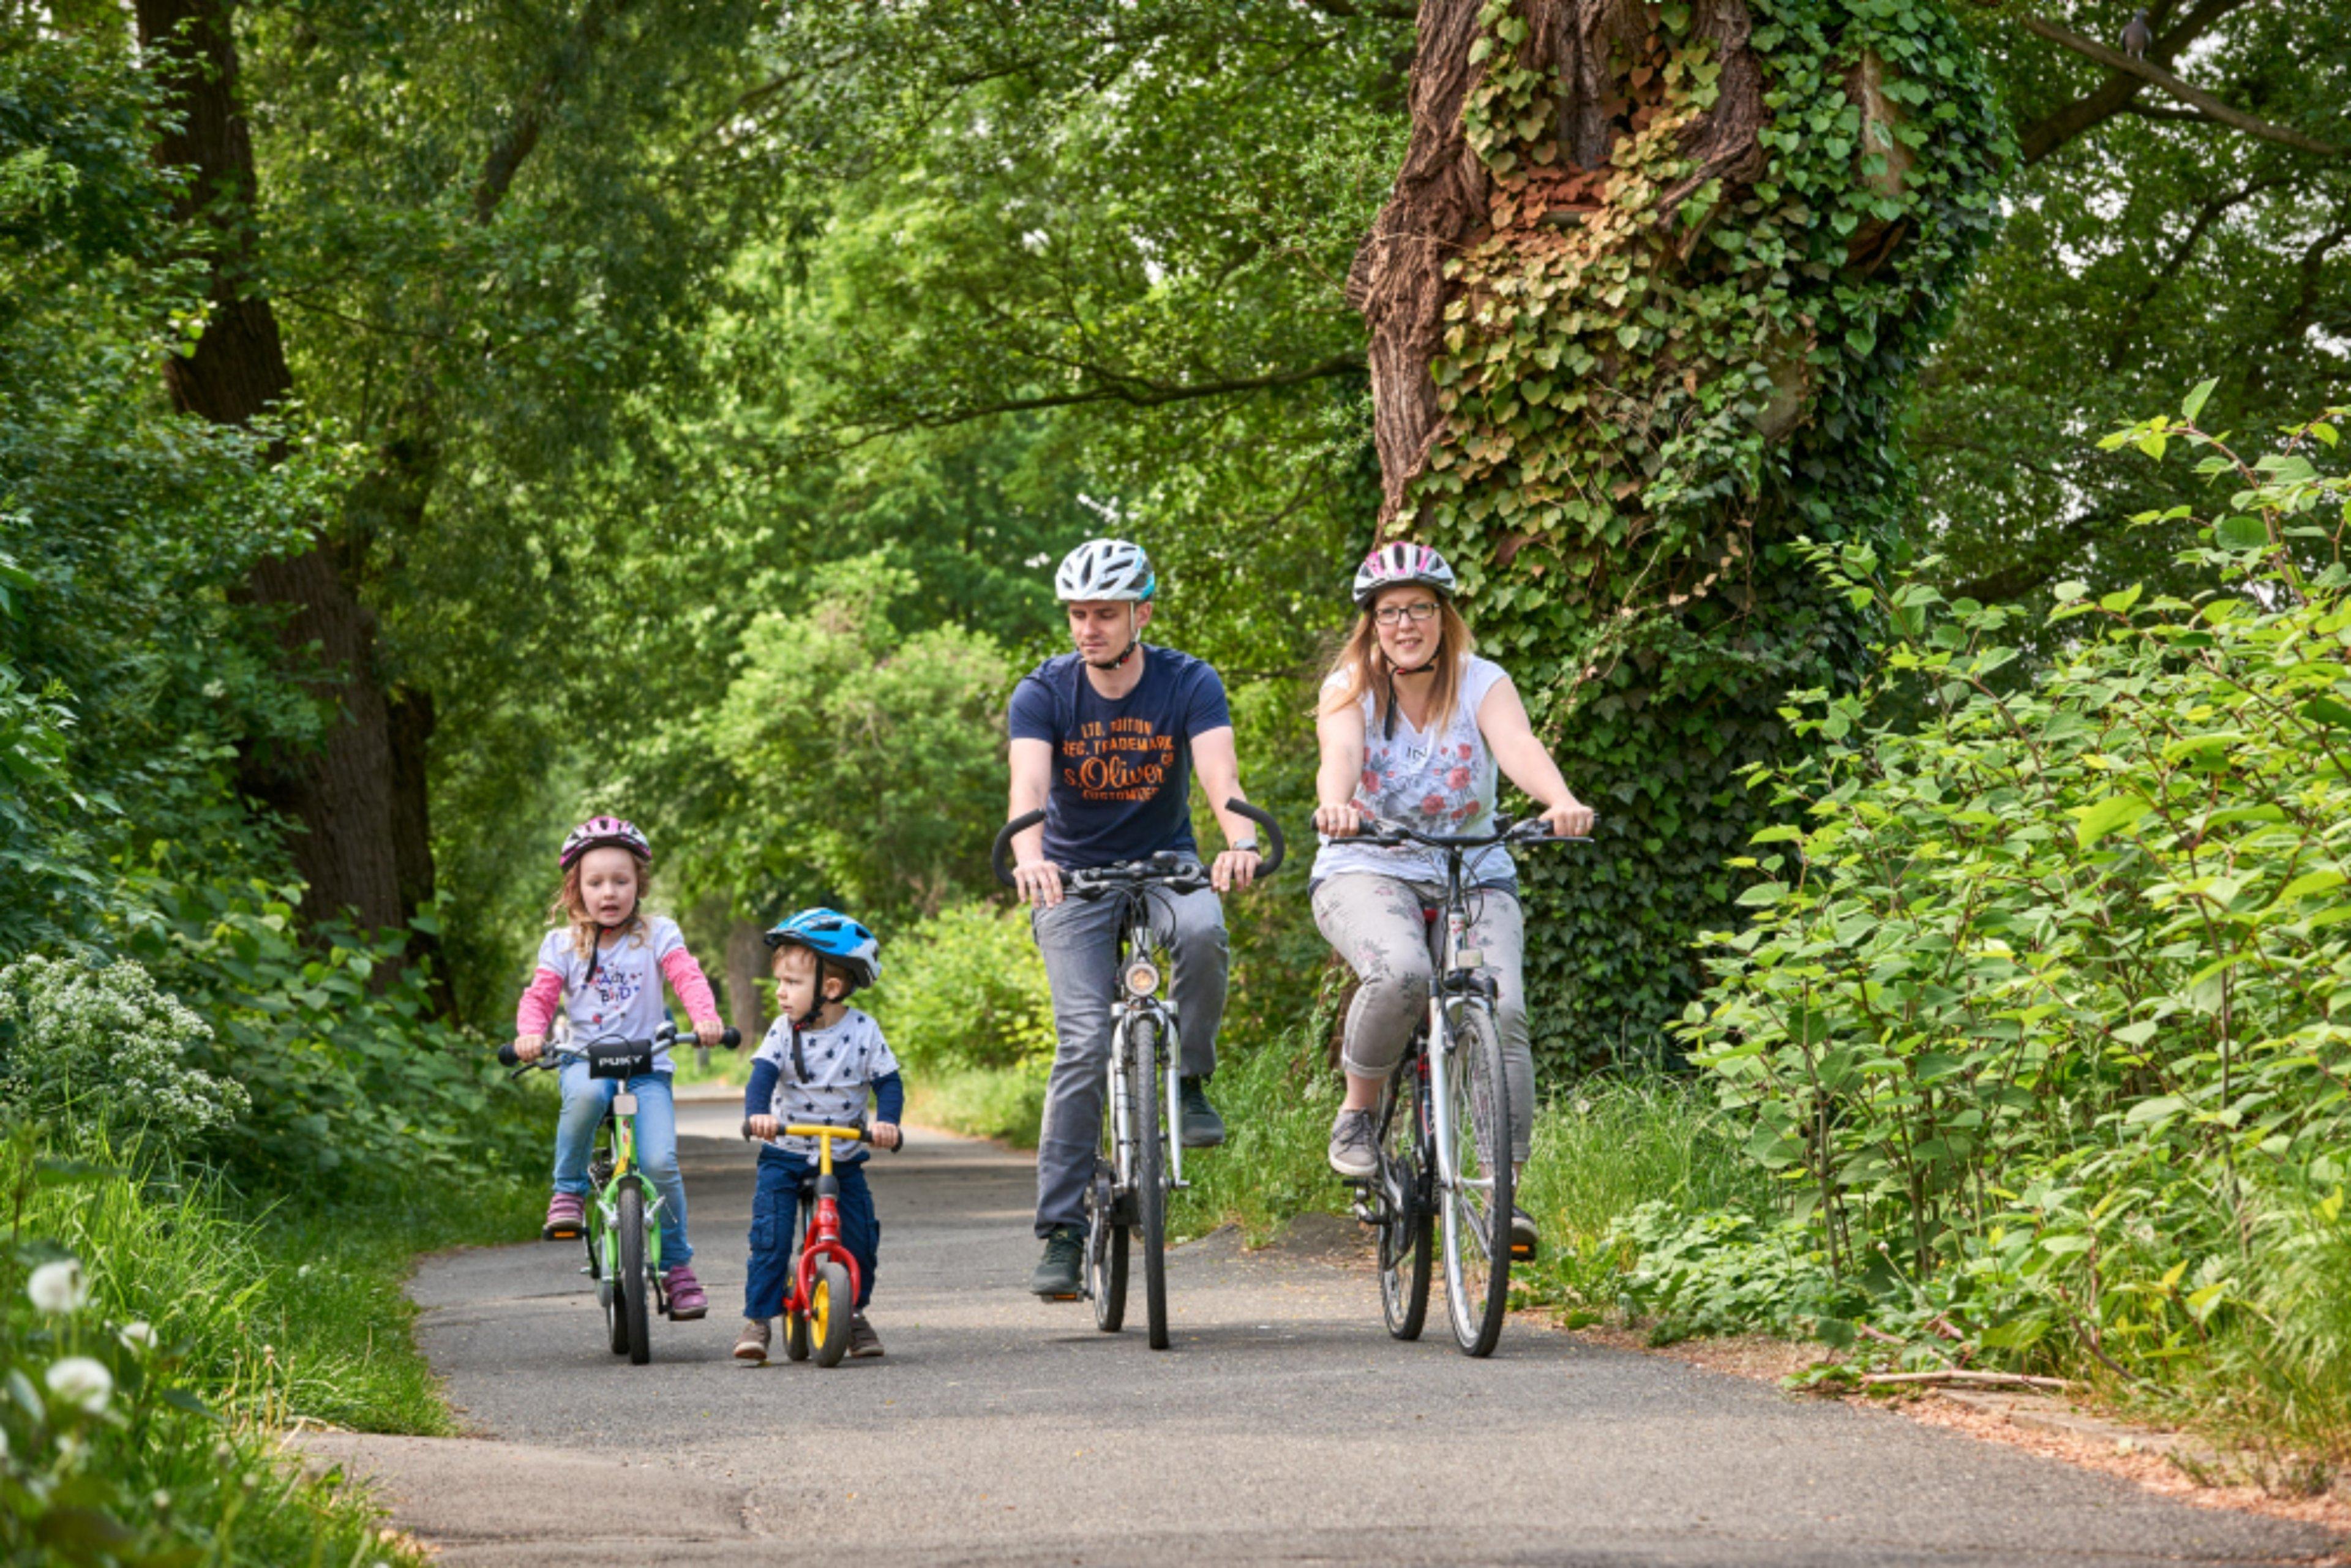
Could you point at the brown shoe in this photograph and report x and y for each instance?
(863, 1343)
(751, 1344)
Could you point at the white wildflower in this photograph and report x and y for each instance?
(58, 1287)
(139, 1336)
(81, 1381)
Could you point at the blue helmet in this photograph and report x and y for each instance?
(833, 937)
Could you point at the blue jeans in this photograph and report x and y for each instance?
(1079, 939)
(775, 1234)
(584, 1102)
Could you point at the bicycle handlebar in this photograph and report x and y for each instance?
(551, 1055)
(1387, 834)
(856, 1132)
(1000, 855)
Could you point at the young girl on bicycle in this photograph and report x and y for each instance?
(603, 965)
(818, 1063)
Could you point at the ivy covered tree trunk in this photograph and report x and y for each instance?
(1642, 304)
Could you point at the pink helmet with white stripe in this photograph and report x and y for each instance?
(603, 832)
(1401, 562)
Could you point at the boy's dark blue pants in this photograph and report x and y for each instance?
(775, 1229)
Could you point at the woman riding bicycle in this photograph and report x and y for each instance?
(1413, 725)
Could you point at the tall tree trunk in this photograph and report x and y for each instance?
(338, 796)
(747, 980)
(1634, 337)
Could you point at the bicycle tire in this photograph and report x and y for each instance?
(632, 1284)
(1477, 1204)
(1106, 1250)
(831, 1306)
(1406, 1233)
(1145, 1083)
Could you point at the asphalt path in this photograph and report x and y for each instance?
(1284, 1425)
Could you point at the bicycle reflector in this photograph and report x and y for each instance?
(1142, 978)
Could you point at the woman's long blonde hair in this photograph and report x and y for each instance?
(1362, 666)
(570, 907)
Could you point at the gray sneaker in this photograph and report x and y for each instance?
(1203, 1128)
(1058, 1272)
(863, 1343)
(1354, 1152)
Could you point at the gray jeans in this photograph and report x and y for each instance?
(1375, 923)
(1079, 941)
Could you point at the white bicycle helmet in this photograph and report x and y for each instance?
(1106, 569)
(1390, 565)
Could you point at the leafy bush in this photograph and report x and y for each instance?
(350, 1073)
(2037, 1010)
(104, 1044)
(967, 989)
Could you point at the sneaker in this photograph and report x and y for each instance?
(687, 1300)
(1203, 1128)
(751, 1344)
(567, 1218)
(1525, 1240)
(1057, 1273)
(863, 1343)
(1354, 1147)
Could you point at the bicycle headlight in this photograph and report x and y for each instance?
(1142, 978)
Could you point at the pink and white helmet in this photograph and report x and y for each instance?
(1400, 562)
(603, 832)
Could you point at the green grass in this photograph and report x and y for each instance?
(1004, 1104)
(264, 1314)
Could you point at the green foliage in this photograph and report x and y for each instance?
(2036, 1012)
(137, 1430)
(1646, 399)
(348, 1073)
(105, 1046)
(967, 989)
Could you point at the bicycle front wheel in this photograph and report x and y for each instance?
(1145, 1085)
(1405, 1243)
(631, 1285)
(1477, 1201)
(832, 1305)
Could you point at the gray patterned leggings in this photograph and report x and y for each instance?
(1376, 923)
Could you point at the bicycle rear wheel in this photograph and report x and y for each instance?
(1106, 1245)
(1477, 1202)
(632, 1287)
(1405, 1242)
(1145, 1085)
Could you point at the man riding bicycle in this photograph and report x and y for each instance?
(1105, 741)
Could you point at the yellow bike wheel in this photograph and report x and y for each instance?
(829, 1312)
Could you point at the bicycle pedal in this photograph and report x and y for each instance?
(1521, 1253)
(1365, 1212)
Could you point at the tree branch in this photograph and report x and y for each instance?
(2109, 97)
(2148, 70)
(539, 102)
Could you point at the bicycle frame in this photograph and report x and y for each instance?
(820, 1228)
(624, 1172)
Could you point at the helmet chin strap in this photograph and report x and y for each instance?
(1429, 667)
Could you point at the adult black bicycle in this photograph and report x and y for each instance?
(1141, 1161)
(1444, 1120)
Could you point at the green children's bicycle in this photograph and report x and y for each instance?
(624, 1212)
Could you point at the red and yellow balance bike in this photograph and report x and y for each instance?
(824, 1276)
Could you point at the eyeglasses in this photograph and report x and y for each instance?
(1389, 614)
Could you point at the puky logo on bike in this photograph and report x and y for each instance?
(1125, 759)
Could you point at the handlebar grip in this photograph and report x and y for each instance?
(1000, 856)
(1268, 863)
(732, 1038)
(506, 1056)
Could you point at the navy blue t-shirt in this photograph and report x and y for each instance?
(1122, 771)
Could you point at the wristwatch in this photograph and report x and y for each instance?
(1249, 847)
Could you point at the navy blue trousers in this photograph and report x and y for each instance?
(775, 1230)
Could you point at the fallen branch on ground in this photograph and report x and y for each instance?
(1972, 1379)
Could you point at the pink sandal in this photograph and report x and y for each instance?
(686, 1298)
